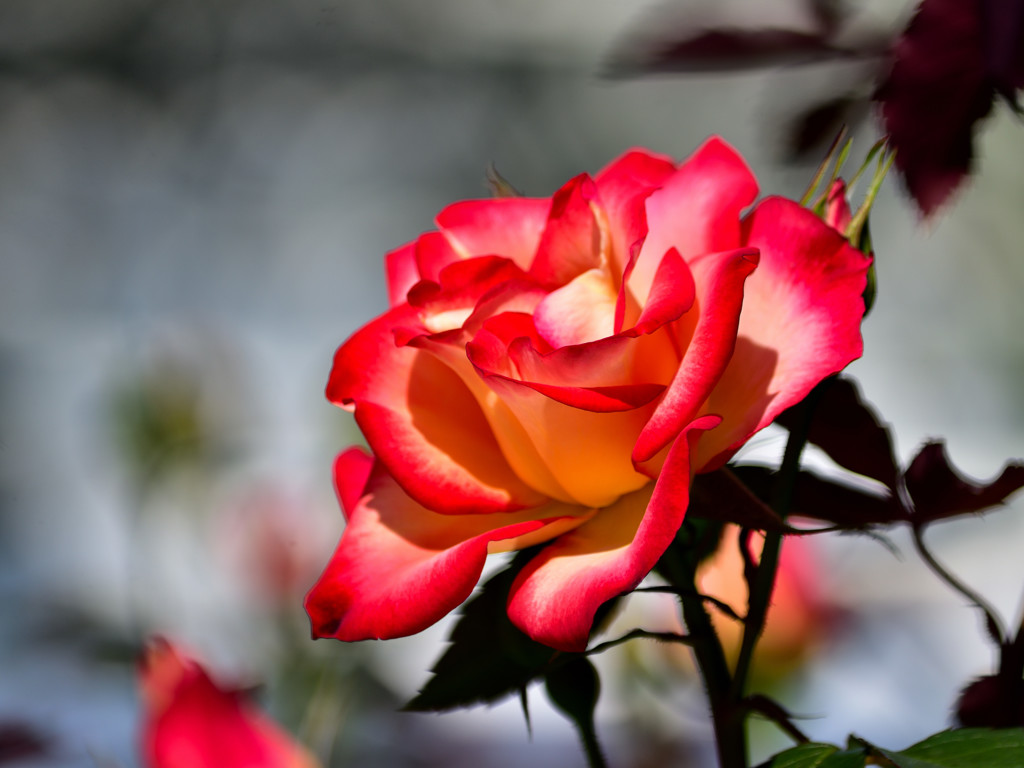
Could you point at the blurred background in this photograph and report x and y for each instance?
(195, 201)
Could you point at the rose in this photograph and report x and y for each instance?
(555, 370)
(189, 721)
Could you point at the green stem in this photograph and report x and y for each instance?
(661, 637)
(860, 218)
(730, 736)
(992, 621)
(595, 757)
(763, 582)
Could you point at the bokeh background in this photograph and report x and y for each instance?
(195, 200)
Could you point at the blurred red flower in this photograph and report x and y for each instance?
(189, 721)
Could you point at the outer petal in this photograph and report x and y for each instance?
(447, 304)
(623, 187)
(434, 253)
(697, 211)
(422, 259)
(555, 597)
(400, 567)
(422, 422)
(800, 323)
(505, 226)
(402, 272)
(351, 472)
(708, 336)
(671, 294)
(572, 239)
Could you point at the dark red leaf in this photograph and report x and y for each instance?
(938, 89)
(19, 741)
(939, 491)
(1003, 29)
(720, 496)
(726, 49)
(819, 123)
(827, 500)
(849, 431)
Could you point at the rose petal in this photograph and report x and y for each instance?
(433, 254)
(582, 310)
(623, 187)
(572, 240)
(617, 361)
(400, 567)
(555, 597)
(697, 211)
(800, 323)
(504, 226)
(672, 293)
(402, 272)
(512, 346)
(447, 304)
(837, 208)
(351, 473)
(421, 422)
(515, 442)
(588, 453)
(707, 338)
(593, 376)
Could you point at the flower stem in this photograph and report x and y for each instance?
(679, 567)
(762, 582)
(595, 757)
(662, 637)
(992, 622)
(727, 720)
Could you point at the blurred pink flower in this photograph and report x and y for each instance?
(189, 721)
(799, 617)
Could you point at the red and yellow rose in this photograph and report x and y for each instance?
(555, 370)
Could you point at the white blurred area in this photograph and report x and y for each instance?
(216, 184)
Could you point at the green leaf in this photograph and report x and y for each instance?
(964, 748)
(848, 758)
(574, 688)
(810, 755)
(815, 755)
(489, 657)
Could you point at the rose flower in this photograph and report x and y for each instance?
(555, 370)
(191, 722)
